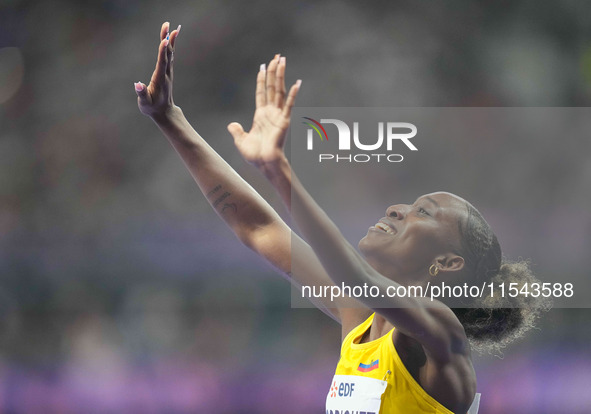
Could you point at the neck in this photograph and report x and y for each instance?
(404, 278)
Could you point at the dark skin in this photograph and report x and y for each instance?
(424, 330)
(428, 226)
(430, 340)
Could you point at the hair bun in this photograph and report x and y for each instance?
(500, 319)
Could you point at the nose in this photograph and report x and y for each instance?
(396, 212)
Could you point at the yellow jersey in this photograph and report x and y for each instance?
(371, 379)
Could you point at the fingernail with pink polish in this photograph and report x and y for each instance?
(263, 67)
(138, 86)
(299, 83)
(282, 59)
(178, 29)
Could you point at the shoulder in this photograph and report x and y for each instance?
(452, 383)
(448, 374)
(433, 325)
(449, 336)
(445, 374)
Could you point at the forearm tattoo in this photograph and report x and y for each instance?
(231, 206)
(215, 190)
(226, 206)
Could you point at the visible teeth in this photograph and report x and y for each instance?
(384, 227)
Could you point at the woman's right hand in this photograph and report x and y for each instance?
(156, 98)
(263, 145)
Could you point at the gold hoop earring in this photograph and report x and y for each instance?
(433, 270)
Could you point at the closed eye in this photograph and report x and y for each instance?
(423, 211)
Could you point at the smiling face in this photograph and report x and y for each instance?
(403, 244)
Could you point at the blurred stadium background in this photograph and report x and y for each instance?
(120, 290)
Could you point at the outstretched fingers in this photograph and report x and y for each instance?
(291, 97)
(236, 131)
(142, 93)
(162, 60)
(271, 79)
(280, 83)
(261, 94)
(164, 30)
(174, 35)
(170, 51)
(161, 63)
(270, 89)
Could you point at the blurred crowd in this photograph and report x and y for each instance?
(120, 289)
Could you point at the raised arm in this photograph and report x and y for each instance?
(250, 217)
(232, 198)
(434, 327)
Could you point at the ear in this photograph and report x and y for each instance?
(449, 262)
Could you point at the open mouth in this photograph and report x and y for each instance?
(384, 227)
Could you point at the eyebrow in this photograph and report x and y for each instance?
(433, 201)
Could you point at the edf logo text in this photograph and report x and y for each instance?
(346, 389)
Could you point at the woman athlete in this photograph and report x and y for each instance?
(412, 356)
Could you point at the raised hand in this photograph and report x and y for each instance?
(264, 143)
(156, 98)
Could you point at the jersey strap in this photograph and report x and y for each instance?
(475, 404)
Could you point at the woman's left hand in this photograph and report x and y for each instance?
(263, 145)
(155, 100)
